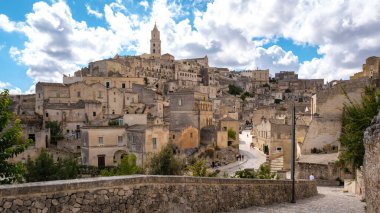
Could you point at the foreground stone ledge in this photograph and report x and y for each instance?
(141, 193)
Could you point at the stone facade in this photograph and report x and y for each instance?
(103, 146)
(228, 123)
(149, 194)
(370, 69)
(372, 165)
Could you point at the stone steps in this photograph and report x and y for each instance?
(277, 164)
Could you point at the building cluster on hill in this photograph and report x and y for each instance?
(138, 104)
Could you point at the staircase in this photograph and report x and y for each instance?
(276, 162)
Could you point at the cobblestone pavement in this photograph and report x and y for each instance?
(329, 200)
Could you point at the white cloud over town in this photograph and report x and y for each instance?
(96, 13)
(345, 32)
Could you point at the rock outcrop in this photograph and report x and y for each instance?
(372, 165)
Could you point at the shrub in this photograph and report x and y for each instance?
(165, 163)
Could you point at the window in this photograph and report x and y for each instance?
(107, 84)
(180, 102)
(123, 85)
(100, 141)
(119, 140)
(94, 114)
(191, 135)
(47, 114)
(173, 136)
(279, 149)
(78, 94)
(100, 94)
(154, 143)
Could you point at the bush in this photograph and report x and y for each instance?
(55, 131)
(127, 167)
(165, 163)
(264, 172)
(44, 168)
(231, 134)
(199, 169)
(356, 118)
(246, 173)
(234, 90)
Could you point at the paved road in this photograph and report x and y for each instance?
(329, 199)
(253, 158)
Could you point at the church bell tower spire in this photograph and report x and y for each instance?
(155, 42)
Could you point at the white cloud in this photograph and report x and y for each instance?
(144, 4)
(345, 33)
(13, 90)
(4, 85)
(57, 44)
(6, 25)
(96, 13)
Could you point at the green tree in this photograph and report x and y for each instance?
(199, 169)
(11, 142)
(245, 95)
(245, 173)
(357, 116)
(55, 131)
(127, 167)
(165, 162)
(44, 168)
(67, 169)
(234, 90)
(264, 172)
(231, 134)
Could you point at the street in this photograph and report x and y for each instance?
(329, 199)
(253, 158)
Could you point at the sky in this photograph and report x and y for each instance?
(42, 40)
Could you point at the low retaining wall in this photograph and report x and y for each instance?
(149, 194)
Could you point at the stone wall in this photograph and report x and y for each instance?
(372, 165)
(149, 194)
(325, 129)
(325, 174)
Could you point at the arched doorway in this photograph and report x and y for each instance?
(118, 156)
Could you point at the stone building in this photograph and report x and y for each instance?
(190, 108)
(229, 123)
(370, 69)
(145, 140)
(103, 145)
(185, 138)
(286, 75)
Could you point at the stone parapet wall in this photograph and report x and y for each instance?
(149, 194)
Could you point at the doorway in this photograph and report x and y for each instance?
(101, 161)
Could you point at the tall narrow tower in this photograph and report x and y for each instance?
(155, 42)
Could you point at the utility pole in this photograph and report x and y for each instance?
(293, 152)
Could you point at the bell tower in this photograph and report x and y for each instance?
(155, 42)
